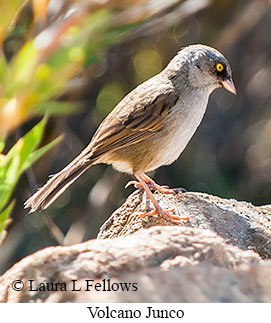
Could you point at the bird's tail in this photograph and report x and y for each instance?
(56, 185)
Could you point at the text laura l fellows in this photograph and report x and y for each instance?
(88, 285)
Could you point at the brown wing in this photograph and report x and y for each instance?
(124, 129)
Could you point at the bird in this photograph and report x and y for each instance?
(150, 127)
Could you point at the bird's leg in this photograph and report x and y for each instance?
(152, 185)
(158, 210)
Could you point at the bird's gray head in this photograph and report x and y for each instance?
(204, 67)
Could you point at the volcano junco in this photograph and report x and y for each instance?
(151, 126)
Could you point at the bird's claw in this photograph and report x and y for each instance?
(135, 183)
(167, 215)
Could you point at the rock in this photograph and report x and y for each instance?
(240, 223)
(161, 248)
(215, 257)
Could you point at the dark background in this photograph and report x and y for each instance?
(229, 155)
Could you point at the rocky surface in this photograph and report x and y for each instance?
(240, 223)
(217, 256)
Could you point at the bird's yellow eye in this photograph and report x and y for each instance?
(219, 67)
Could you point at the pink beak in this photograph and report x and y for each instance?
(229, 85)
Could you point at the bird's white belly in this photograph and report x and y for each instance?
(183, 125)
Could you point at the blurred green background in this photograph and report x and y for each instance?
(121, 45)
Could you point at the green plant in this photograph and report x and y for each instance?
(20, 157)
(36, 74)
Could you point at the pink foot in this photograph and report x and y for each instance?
(167, 215)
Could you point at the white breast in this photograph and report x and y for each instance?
(184, 122)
